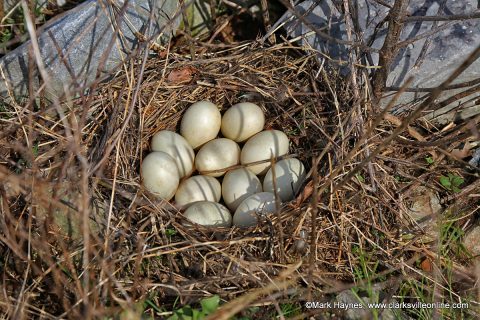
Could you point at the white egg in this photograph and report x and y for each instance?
(160, 175)
(261, 147)
(238, 185)
(207, 213)
(290, 175)
(217, 154)
(198, 188)
(200, 123)
(251, 208)
(242, 121)
(177, 147)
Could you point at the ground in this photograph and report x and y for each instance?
(382, 218)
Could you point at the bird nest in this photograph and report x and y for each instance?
(351, 216)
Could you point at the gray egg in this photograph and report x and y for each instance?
(290, 175)
(252, 207)
(238, 185)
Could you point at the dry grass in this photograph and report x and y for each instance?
(139, 258)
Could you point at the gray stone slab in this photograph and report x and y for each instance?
(82, 35)
(349, 301)
(448, 48)
(472, 241)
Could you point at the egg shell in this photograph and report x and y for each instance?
(290, 175)
(197, 188)
(217, 154)
(200, 123)
(209, 214)
(241, 121)
(248, 211)
(178, 148)
(160, 175)
(261, 147)
(237, 185)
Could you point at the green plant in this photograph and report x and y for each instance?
(366, 270)
(6, 35)
(451, 239)
(208, 306)
(35, 149)
(4, 112)
(170, 232)
(429, 160)
(451, 182)
(290, 309)
(359, 177)
(151, 304)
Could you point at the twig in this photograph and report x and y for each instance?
(390, 47)
(468, 16)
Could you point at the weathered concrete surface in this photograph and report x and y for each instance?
(472, 241)
(424, 209)
(65, 220)
(199, 16)
(347, 297)
(448, 47)
(83, 35)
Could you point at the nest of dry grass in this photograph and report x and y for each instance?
(352, 213)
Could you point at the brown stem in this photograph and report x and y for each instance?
(390, 48)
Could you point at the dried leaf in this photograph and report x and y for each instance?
(462, 153)
(426, 265)
(307, 192)
(183, 75)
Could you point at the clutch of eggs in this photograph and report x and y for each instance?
(167, 171)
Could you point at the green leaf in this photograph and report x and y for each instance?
(457, 180)
(170, 232)
(209, 305)
(446, 183)
(185, 313)
(360, 177)
(151, 304)
(429, 160)
(197, 314)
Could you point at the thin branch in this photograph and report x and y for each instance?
(470, 16)
(390, 47)
(431, 89)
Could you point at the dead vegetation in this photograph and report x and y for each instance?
(124, 253)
